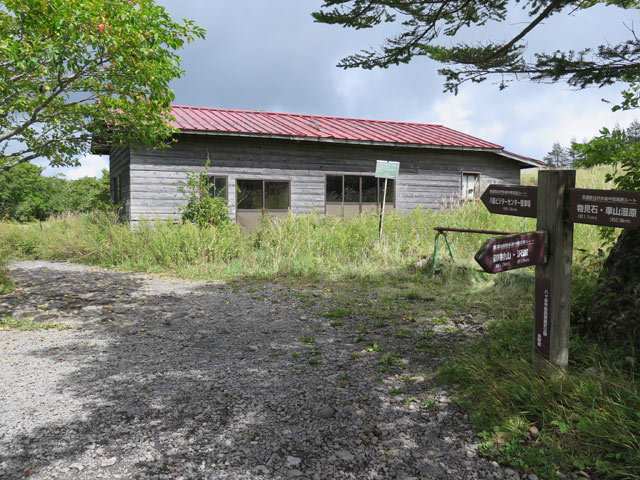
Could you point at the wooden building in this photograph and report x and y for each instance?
(274, 162)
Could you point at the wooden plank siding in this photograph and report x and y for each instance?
(428, 178)
(119, 159)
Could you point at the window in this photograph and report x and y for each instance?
(358, 190)
(217, 186)
(263, 194)
(470, 186)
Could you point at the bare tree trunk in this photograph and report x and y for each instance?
(615, 311)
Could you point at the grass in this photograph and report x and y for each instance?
(29, 325)
(6, 284)
(587, 421)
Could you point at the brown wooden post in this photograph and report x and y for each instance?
(553, 279)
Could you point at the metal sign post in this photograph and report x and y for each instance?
(386, 170)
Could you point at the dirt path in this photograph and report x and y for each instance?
(163, 378)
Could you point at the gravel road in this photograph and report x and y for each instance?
(168, 379)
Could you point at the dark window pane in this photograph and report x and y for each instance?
(369, 193)
(250, 194)
(391, 190)
(221, 187)
(217, 186)
(351, 189)
(276, 195)
(334, 188)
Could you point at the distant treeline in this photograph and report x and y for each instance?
(27, 195)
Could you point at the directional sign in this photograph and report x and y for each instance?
(511, 252)
(605, 207)
(386, 169)
(511, 200)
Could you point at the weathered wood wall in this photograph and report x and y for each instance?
(119, 166)
(428, 178)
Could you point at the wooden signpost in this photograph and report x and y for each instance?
(511, 200)
(557, 205)
(511, 252)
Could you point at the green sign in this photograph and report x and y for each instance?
(386, 169)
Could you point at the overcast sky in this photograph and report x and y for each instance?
(270, 55)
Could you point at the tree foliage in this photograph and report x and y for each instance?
(73, 69)
(618, 148)
(425, 22)
(561, 157)
(26, 195)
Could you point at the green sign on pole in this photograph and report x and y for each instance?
(386, 169)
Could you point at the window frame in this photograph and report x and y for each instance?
(360, 203)
(463, 196)
(264, 191)
(226, 179)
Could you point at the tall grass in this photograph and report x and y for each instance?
(309, 245)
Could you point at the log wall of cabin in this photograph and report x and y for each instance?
(428, 178)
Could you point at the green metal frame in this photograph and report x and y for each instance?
(435, 251)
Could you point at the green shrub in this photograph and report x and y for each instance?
(202, 208)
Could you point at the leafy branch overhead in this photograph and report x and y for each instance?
(73, 70)
(425, 22)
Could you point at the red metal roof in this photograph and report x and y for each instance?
(287, 125)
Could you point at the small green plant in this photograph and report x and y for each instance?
(391, 359)
(295, 355)
(394, 391)
(28, 324)
(307, 340)
(360, 338)
(403, 333)
(410, 400)
(336, 323)
(343, 376)
(203, 208)
(374, 347)
(354, 355)
(338, 313)
(428, 403)
(314, 361)
(314, 351)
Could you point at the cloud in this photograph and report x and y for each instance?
(465, 113)
(90, 166)
(528, 118)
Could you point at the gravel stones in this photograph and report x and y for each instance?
(326, 412)
(167, 379)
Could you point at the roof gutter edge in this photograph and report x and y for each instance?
(349, 142)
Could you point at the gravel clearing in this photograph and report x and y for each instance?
(168, 379)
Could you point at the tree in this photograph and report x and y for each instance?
(73, 70)
(25, 194)
(556, 157)
(424, 22)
